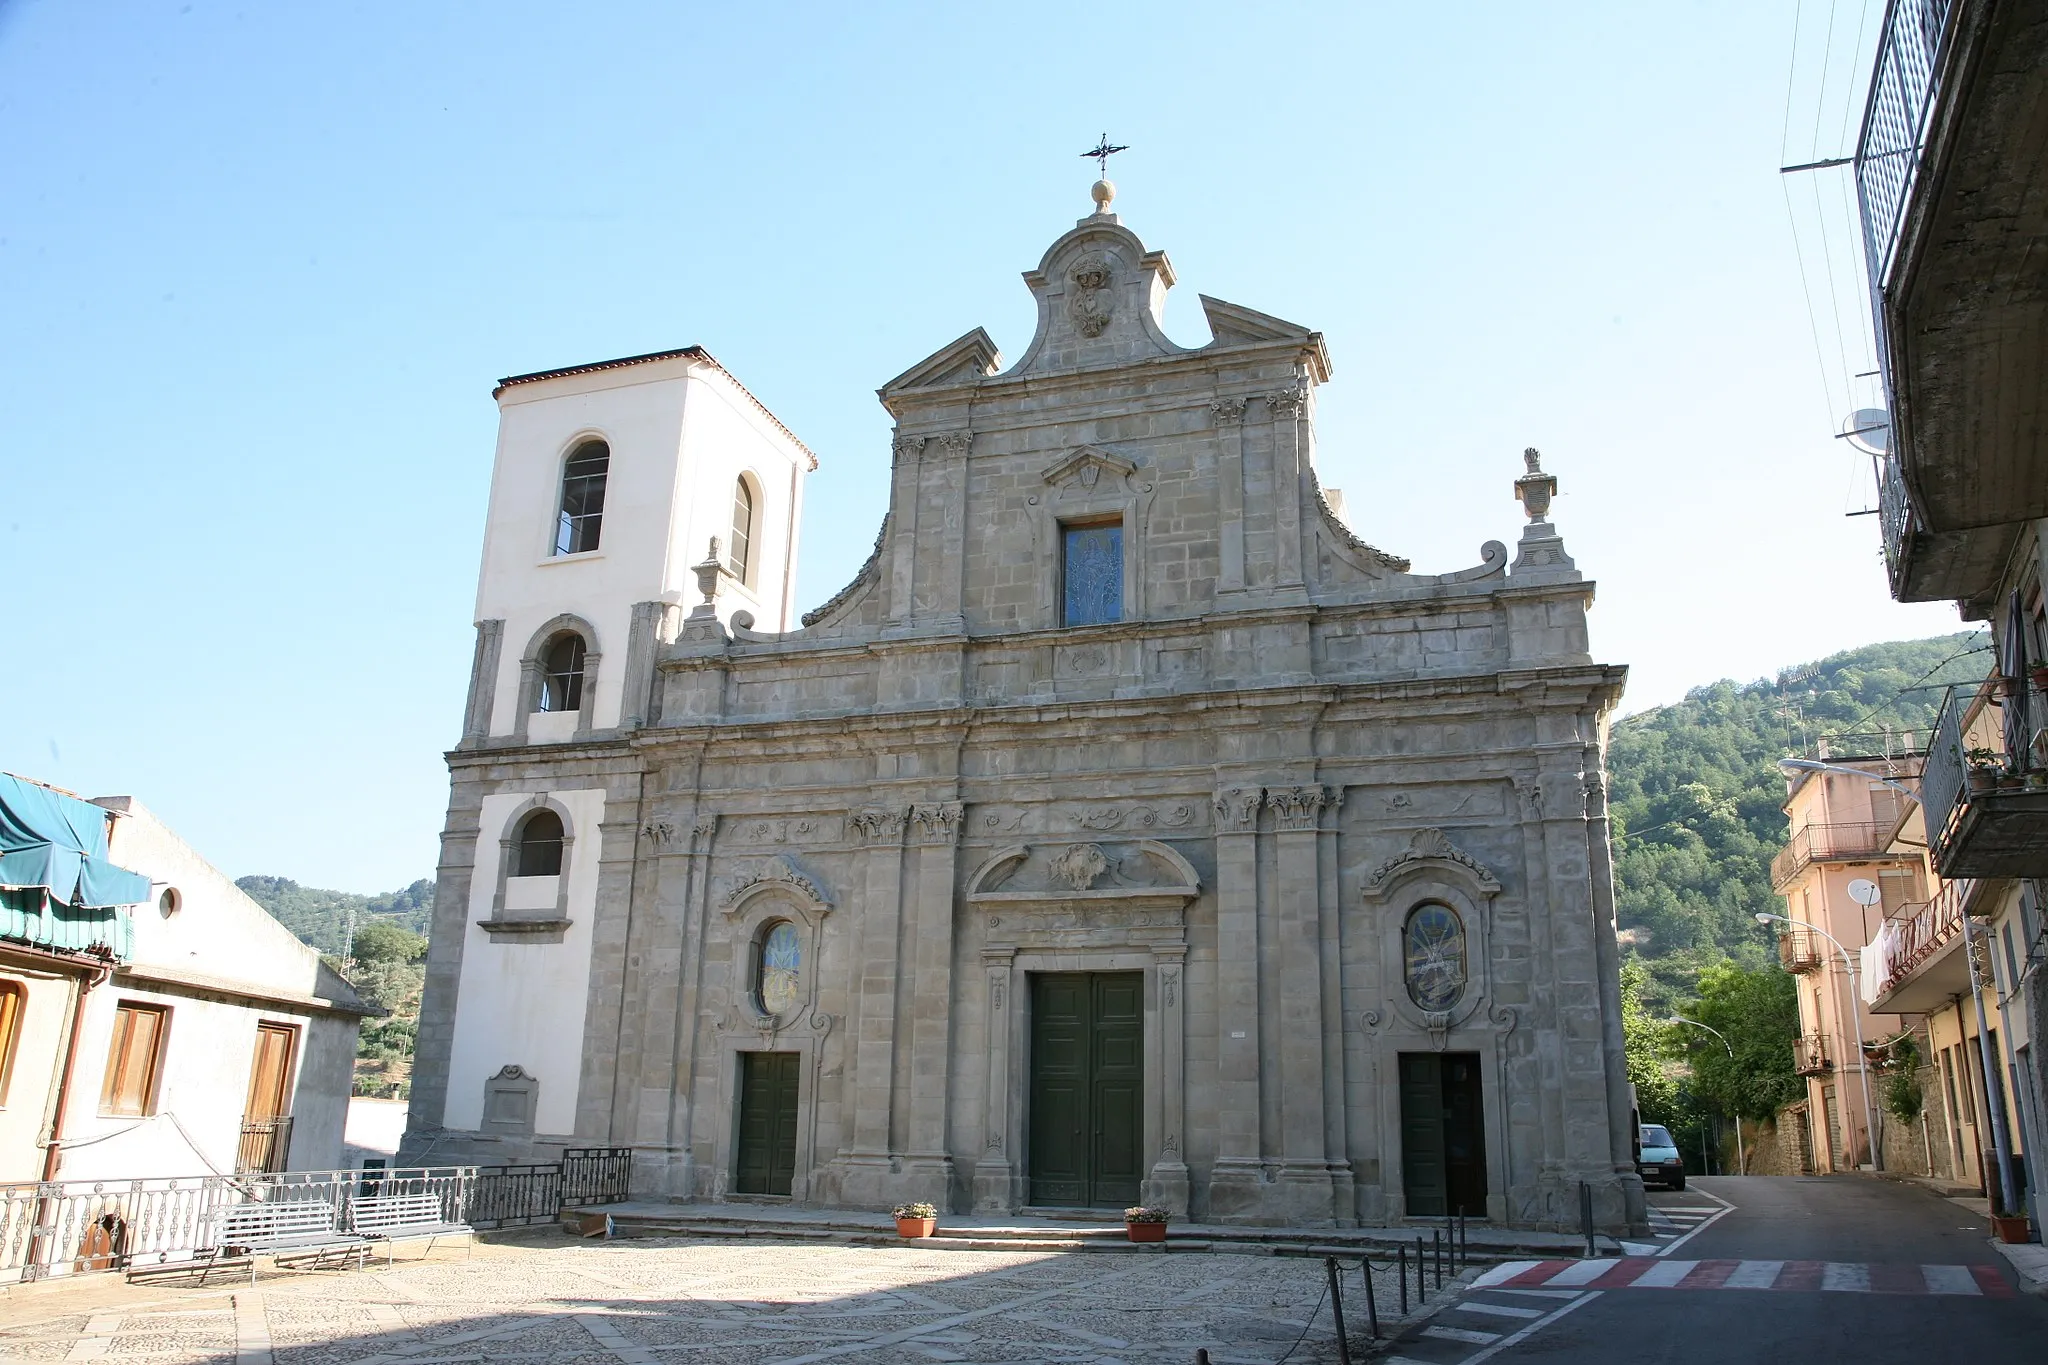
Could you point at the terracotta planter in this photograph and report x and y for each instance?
(1145, 1232)
(2010, 1230)
(1982, 780)
(916, 1227)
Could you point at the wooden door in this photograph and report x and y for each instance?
(1443, 1134)
(1087, 1088)
(768, 1117)
(270, 1074)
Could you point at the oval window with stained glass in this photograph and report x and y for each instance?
(1435, 957)
(775, 986)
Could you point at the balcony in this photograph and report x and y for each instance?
(1829, 843)
(1987, 811)
(1953, 144)
(1921, 963)
(1813, 1055)
(1801, 950)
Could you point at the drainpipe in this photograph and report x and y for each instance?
(53, 1150)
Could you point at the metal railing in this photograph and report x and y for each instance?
(536, 1191)
(1818, 843)
(64, 1227)
(1800, 950)
(1902, 90)
(1812, 1054)
(1908, 940)
(265, 1146)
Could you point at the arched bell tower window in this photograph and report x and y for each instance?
(540, 845)
(778, 968)
(581, 519)
(561, 676)
(1433, 954)
(741, 557)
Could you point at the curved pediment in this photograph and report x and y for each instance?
(1431, 850)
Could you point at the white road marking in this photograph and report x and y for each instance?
(1688, 1208)
(1705, 1223)
(1491, 1351)
(1579, 1273)
(1539, 1293)
(1949, 1279)
(1461, 1334)
(1754, 1275)
(1846, 1276)
(1506, 1270)
(1499, 1310)
(1665, 1276)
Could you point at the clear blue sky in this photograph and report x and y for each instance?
(260, 265)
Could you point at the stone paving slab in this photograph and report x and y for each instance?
(552, 1300)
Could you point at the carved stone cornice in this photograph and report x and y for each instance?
(1298, 808)
(1227, 412)
(879, 825)
(937, 822)
(1237, 810)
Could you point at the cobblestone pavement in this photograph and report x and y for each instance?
(655, 1302)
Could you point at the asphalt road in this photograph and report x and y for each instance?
(1870, 1239)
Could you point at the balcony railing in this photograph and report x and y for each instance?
(1919, 932)
(1800, 950)
(265, 1147)
(1902, 90)
(1826, 843)
(1987, 807)
(1813, 1054)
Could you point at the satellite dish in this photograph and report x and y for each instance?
(1869, 430)
(1864, 891)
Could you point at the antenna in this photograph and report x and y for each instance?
(1868, 429)
(1865, 892)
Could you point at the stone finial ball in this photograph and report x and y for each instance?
(1102, 192)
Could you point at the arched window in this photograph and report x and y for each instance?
(778, 968)
(561, 673)
(582, 515)
(1434, 953)
(741, 558)
(540, 845)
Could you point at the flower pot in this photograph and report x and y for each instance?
(916, 1227)
(2005, 685)
(2012, 1230)
(1982, 780)
(2039, 674)
(2010, 782)
(1146, 1232)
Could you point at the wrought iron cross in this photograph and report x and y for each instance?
(1102, 152)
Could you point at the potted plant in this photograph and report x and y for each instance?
(916, 1220)
(2039, 674)
(1143, 1223)
(1983, 768)
(2010, 1228)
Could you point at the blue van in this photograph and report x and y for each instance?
(1659, 1162)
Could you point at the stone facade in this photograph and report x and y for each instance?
(1241, 789)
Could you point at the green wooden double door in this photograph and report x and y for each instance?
(768, 1110)
(1443, 1134)
(1087, 1088)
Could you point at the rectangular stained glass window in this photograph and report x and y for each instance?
(1093, 574)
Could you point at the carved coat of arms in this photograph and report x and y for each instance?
(1092, 298)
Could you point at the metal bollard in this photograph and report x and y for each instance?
(1464, 1244)
(1337, 1310)
(1372, 1299)
(1421, 1290)
(1436, 1256)
(1401, 1269)
(1586, 1217)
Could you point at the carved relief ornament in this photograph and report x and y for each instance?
(937, 821)
(777, 871)
(1297, 808)
(1091, 297)
(877, 823)
(1431, 849)
(1237, 810)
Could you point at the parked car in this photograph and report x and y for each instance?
(1660, 1162)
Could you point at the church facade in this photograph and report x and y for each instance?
(1128, 829)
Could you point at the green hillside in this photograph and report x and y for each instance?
(320, 918)
(1695, 792)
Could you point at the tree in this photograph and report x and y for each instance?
(1757, 1012)
(1645, 1043)
(384, 942)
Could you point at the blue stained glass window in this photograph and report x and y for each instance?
(781, 959)
(1435, 957)
(1094, 574)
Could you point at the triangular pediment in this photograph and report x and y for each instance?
(973, 356)
(1234, 324)
(1088, 464)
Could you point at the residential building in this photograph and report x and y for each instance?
(154, 1021)
(1952, 176)
(1843, 845)
(1127, 829)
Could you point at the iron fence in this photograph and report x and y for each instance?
(596, 1175)
(64, 1227)
(1909, 940)
(1811, 843)
(1812, 1054)
(1902, 89)
(1799, 950)
(536, 1191)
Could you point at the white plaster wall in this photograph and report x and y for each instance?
(522, 1003)
(680, 433)
(32, 1081)
(375, 1128)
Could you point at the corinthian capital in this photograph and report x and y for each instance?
(1227, 412)
(1297, 808)
(1237, 810)
(936, 822)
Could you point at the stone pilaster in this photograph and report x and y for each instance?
(945, 480)
(935, 831)
(1305, 1196)
(1237, 1180)
(483, 682)
(681, 1177)
(1228, 415)
(1542, 1087)
(866, 1167)
(997, 1183)
(1285, 409)
(1166, 1186)
(902, 555)
(1626, 1205)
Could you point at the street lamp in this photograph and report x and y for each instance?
(2001, 1143)
(1855, 1017)
(1741, 1162)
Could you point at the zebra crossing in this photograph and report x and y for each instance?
(1671, 1224)
(1653, 1272)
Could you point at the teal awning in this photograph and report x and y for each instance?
(28, 915)
(58, 844)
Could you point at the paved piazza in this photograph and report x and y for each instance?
(552, 1302)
